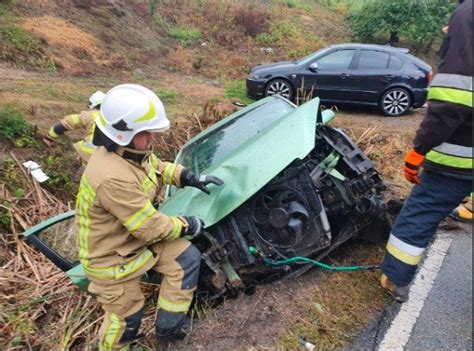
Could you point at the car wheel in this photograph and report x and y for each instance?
(279, 87)
(395, 102)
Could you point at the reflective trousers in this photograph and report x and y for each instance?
(123, 302)
(428, 204)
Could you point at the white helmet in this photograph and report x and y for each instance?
(128, 109)
(96, 99)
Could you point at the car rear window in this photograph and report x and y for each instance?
(222, 141)
(395, 62)
(371, 59)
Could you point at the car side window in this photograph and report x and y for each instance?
(336, 60)
(371, 59)
(395, 62)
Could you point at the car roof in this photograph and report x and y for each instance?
(370, 46)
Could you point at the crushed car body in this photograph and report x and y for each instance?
(294, 186)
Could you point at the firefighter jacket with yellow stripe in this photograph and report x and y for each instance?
(445, 134)
(115, 217)
(84, 120)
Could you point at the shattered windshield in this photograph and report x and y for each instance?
(222, 141)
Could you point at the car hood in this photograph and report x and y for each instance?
(249, 166)
(271, 66)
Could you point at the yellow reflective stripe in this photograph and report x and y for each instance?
(134, 222)
(456, 96)
(120, 271)
(177, 228)
(102, 120)
(150, 180)
(75, 119)
(169, 173)
(111, 333)
(52, 133)
(146, 185)
(85, 199)
(147, 116)
(402, 256)
(449, 160)
(153, 161)
(87, 147)
(172, 306)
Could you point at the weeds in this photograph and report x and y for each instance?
(12, 124)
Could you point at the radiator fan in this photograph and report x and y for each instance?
(280, 216)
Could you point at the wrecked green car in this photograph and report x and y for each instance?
(294, 187)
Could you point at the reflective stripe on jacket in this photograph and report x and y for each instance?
(115, 218)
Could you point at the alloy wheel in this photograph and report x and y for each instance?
(396, 102)
(279, 87)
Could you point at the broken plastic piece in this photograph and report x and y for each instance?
(36, 171)
(306, 344)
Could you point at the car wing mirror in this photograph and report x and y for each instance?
(314, 67)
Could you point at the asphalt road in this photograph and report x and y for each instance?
(438, 315)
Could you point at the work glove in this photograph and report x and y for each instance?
(199, 181)
(413, 161)
(193, 226)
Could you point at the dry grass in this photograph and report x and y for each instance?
(72, 49)
(338, 309)
(180, 59)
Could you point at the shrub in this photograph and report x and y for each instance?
(419, 21)
(253, 20)
(12, 124)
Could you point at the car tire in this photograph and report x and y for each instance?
(395, 102)
(279, 87)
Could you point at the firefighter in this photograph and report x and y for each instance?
(120, 233)
(443, 147)
(83, 120)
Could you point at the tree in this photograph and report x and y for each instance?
(419, 21)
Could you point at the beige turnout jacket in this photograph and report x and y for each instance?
(115, 217)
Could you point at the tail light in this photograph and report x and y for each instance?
(429, 76)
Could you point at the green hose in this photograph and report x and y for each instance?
(277, 263)
(296, 259)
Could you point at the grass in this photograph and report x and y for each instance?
(20, 39)
(185, 35)
(167, 96)
(237, 89)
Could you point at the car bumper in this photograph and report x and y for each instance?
(255, 88)
(419, 97)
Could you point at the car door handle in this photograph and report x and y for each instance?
(344, 75)
(389, 76)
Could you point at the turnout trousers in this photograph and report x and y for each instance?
(123, 301)
(428, 204)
